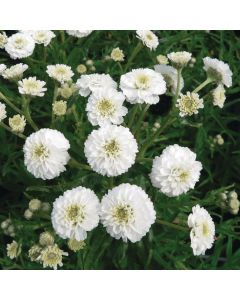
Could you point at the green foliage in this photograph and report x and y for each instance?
(164, 247)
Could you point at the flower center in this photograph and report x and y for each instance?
(149, 37)
(19, 43)
(61, 71)
(123, 214)
(75, 214)
(112, 148)
(32, 85)
(180, 174)
(40, 152)
(188, 105)
(205, 229)
(142, 82)
(106, 108)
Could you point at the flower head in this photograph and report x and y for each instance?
(79, 33)
(34, 252)
(75, 245)
(202, 230)
(92, 83)
(117, 54)
(59, 107)
(111, 150)
(142, 86)
(105, 106)
(148, 38)
(127, 212)
(3, 113)
(81, 69)
(32, 87)
(41, 36)
(3, 40)
(189, 104)
(46, 239)
(75, 212)
(13, 250)
(170, 76)
(51, 256)
(60, 72)
(219, 96)
(162, 59)
(15, 72)
(20, 45)
(45, 153)
(34, 205)
(175, 171)
(179, 59)
(17, 123)
(218, 71)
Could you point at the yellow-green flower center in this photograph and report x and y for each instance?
(205, 229)
(40, 152)
(122, 214)
(142, 82)
(75, 214)
(112, 148)
(106, 108)
(19, 43)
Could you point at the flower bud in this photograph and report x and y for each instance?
(34, 205)
(46, 239)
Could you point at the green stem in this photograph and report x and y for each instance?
(26, 112)
(22, 136)
(141, 118)
(133, 55)
(75, 164)
(8, 102)
(202, 85)
(152, 138)
(132, 116)
(175, 226)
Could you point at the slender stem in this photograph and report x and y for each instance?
(134, 53)
(141, 118)
(152, 138)
(26, 112)
(6, 100)
(22, 136)
(172, 225)
(55, 93)
(202, 85)
(75, 164)
(179, 74)
(132, 116)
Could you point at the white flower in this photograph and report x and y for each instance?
(203, 230)
(218, 71)
(51, 256)
(20, 45)
(127, 212)
(117, 54)
(148, 38)
(45, 153)
(189, 104)
(79, 33)
(162, 59)
(2, 68)
(105, 107)
(91, 83)
(15, 72)
(32, 87)
(59, 107)
(60, 72)
(219, 96)
(17, 123)
(175, 171)
(170, 76)
(179, 59)
(142, 85)
(75, 212)
(111, 150)
(41, 36)
(3, 113)
(3, 40)
(13, 250)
